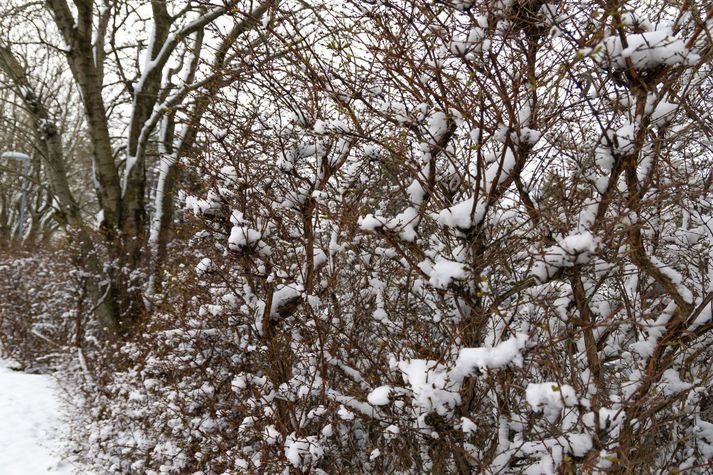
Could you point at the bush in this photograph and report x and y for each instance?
(431, 237)
(41, 306)
(163, 403)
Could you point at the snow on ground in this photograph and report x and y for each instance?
(29, 425)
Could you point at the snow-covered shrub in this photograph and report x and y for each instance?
(40, 297)
(169, 407)
(446, 237)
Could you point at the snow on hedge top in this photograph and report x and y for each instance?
(283, 295)
(463, 215)
(575, 249)
(472, 41)
(444, 272)
(550, 396)
(242, 236)
(379, 396)
(432, 391)
(437, 127)
(371, 222)
(437, 388)
(498, 356)
(303, 451)
(204, 266)
(403, 223)
(647, 50)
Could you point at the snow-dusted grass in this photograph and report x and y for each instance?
(30, 425)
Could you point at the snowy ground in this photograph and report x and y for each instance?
(29, 425)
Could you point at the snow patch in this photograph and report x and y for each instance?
(464, 215)
(647, 50)
(29, 423)
(379, 396)
(573, 250)
(444, 272)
